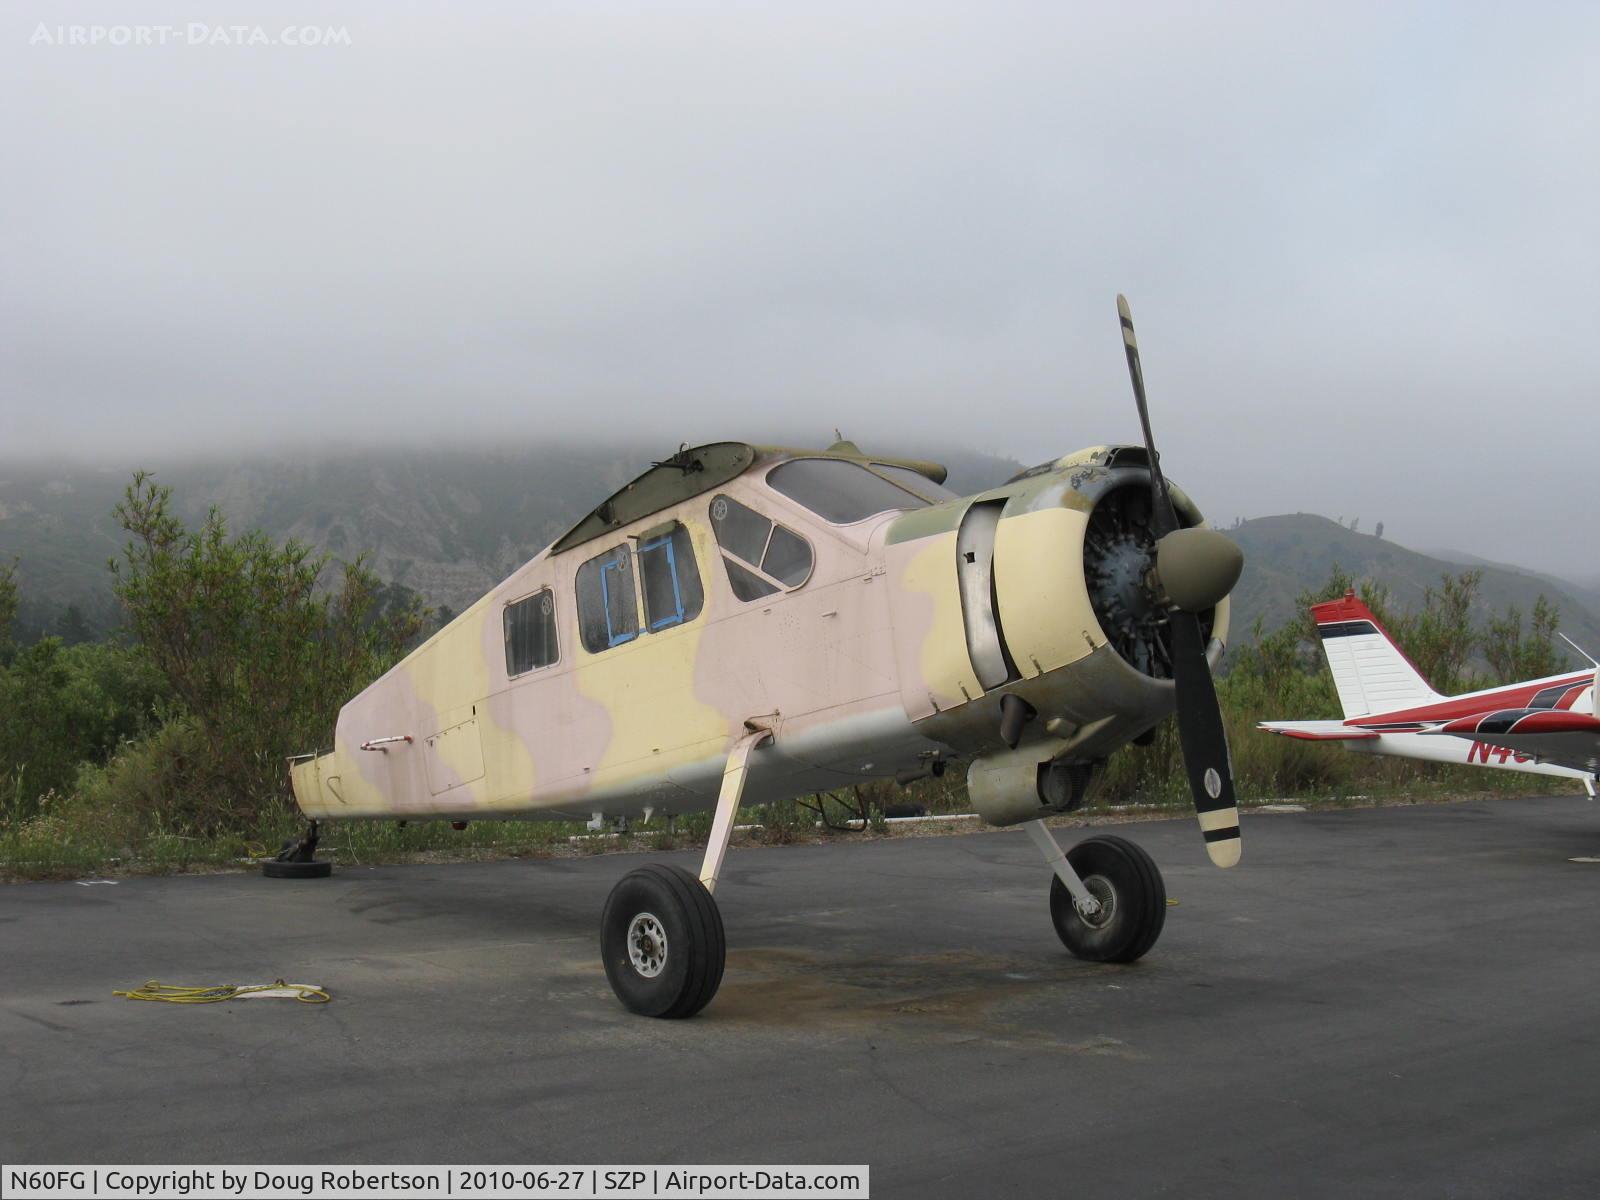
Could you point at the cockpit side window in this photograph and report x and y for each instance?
(788, 557)
(760, 556)
(838, 491)
(746, 584)
(740, 531)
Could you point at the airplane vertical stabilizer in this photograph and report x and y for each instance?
(1372, 674)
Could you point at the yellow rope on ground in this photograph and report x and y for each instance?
(172, 993)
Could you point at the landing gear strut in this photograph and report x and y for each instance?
(298, 859)
(1107, 900)
(661, 934)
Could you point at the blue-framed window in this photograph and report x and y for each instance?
(608, 596)
(670, 579)
(658, 568)
(608, 609)
(622, 609)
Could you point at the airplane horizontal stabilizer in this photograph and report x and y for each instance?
(1318, 731)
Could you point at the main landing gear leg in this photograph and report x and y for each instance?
(661, 934)
(1107, 899)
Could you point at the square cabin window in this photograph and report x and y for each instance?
(670, 578)
(608, 608)
(530, 629)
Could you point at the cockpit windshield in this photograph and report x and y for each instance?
(842, 492)
(916, 481)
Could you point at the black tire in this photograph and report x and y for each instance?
(690, 971)
(317, 869)
(1111, 868)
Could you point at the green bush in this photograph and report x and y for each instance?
(256, 658)
(166, 782)
(65, 706)
(782, 821)
(8, 608)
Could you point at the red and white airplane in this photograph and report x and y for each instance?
(1543, 726)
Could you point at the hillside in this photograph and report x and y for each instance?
(452, 523)
(448, 523)
(1581, 587)
(1286, 555)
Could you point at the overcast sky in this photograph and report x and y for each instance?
(1360, 242)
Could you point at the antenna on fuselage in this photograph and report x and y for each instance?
(1579, 649)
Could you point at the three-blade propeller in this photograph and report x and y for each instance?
(1193, 570)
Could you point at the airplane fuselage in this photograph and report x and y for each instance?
(1541, 726)
(612, 674)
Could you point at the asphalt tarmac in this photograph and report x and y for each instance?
(1389, 1002)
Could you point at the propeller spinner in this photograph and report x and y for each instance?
(1192, 570)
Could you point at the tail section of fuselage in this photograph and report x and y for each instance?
(1389, 708)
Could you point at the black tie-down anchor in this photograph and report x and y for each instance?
(298, 859)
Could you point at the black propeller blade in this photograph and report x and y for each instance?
(1200, 728)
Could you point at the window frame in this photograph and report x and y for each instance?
(811, 557)
(555, 630)
(766, 478)
(755, 570)
(592, 595)
(941, 493)
(662, 541)
(622, 564)
(627, 558)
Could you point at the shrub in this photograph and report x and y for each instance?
(64, 706)
(1512, 656)
(255, 656)
(782, 822)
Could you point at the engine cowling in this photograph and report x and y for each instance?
(1027, 784)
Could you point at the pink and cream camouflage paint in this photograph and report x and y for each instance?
(863, 670)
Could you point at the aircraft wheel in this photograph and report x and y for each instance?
(315, 869)
(1132, 897)
(662, 942)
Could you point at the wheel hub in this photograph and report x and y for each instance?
(1099, 887)
(647, 945)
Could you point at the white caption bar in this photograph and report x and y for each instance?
(571, 1182)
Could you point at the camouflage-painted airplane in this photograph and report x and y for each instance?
(1543, 726)
(746, 624)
